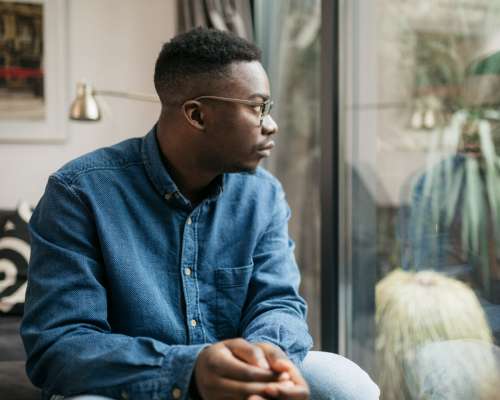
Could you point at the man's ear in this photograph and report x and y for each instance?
(193, 113)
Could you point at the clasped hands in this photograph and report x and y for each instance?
(237, 369)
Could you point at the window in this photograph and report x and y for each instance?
(420, 162)
(288, 32)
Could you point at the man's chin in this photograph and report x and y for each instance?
(249, 170)
(246, 168)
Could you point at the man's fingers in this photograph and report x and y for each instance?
(284, 376)
(285, 366)
(294, 393)
(241, 390)
(219, 371)
(248, 352)
(256, 397)
(272, 353)
(232, 368)
(295, 375)
(287, 390)
(280, 363)
(294, 389)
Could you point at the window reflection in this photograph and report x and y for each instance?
(432, 339)
(454, 216)
(288, 31)
(422, 148)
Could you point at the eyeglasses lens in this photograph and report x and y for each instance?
(265, 110)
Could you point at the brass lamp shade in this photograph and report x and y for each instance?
(85, 107)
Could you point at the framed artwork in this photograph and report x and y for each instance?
(33, 92)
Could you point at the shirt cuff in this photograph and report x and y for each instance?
(179, 368)
(283, 330)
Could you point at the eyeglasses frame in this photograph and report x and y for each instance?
(265, 106)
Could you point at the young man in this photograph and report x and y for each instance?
(161, 267)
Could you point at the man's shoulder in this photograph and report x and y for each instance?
(119, 155)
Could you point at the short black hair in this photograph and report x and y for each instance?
(199, 53)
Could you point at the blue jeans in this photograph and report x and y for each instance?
(330, 377)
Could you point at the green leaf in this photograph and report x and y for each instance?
(486, 66)
(464, 233)
(487, 146)
(484, 263)
(454, 131)
(457, 182)
(474, 202)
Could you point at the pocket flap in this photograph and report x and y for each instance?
(232, 277)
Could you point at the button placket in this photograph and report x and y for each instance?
(189, 279)
(176, 393)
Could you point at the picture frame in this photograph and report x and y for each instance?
(51, 126)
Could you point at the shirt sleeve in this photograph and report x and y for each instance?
(274, 311)
(70, 346)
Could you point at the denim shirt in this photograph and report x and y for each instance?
(128, 281)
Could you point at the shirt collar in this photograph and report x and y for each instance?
(158, 173)
(217, 186)
(155, 168)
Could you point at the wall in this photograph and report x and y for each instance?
(112, 44)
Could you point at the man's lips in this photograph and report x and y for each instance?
(266, 146)
(264, 150)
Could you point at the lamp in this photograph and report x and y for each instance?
(86, 108)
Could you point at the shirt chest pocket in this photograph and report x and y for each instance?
(232, 287)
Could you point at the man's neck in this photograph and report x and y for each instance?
(193, 184)
(192, 180)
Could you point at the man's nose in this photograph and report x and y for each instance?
(269, 126)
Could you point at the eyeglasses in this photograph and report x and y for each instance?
(264, 107)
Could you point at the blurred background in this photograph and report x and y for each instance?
(389, 115)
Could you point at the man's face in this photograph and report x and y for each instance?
(234, 139)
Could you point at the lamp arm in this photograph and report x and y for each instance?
(128, 95)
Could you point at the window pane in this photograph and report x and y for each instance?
(421, 126)
(288, 31)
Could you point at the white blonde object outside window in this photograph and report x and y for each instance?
(432, 339)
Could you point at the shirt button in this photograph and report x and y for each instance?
(187, 271)
(189, 221)
(168, 196)
(176, 393)
(193, 323)
(124, 395)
